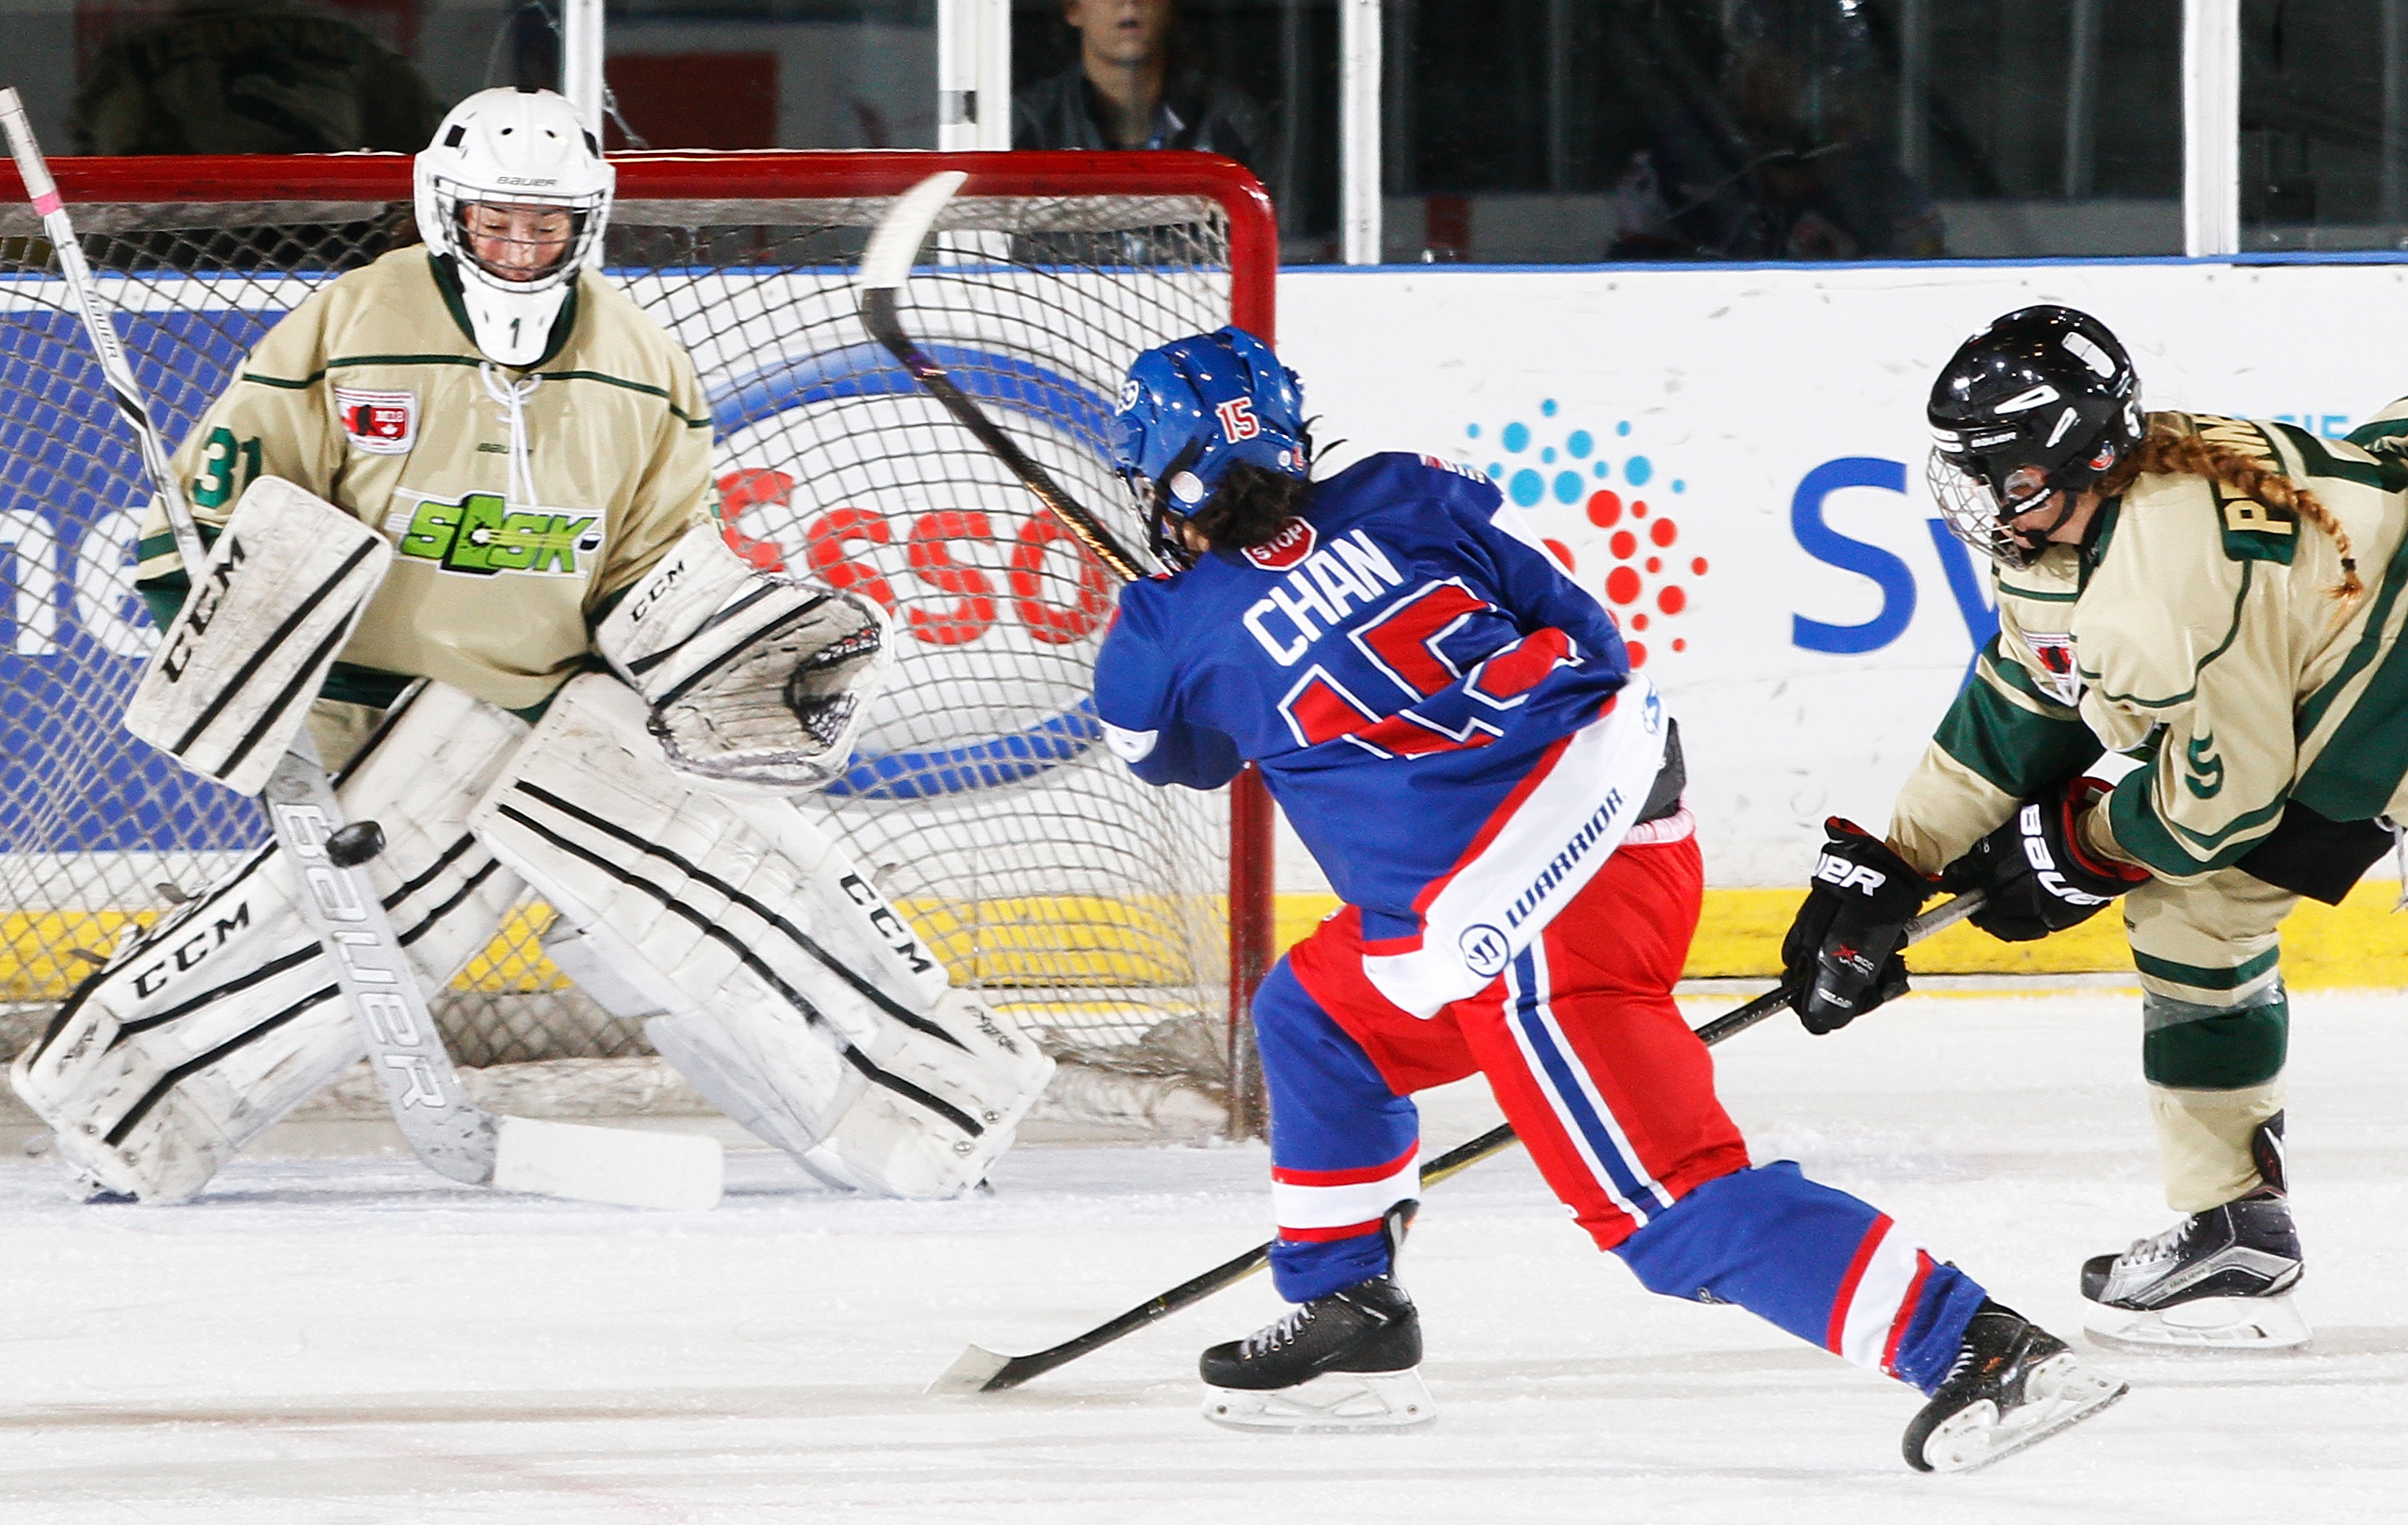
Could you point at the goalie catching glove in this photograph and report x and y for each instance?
(1841, 955)
(755, 684)
(2034, 876)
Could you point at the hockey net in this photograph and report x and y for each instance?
(1123, 924)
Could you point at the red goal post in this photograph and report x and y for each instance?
(1056, 268)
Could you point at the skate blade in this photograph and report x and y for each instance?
(1331, 1401)
(2208, 1323)
(2058, 1394)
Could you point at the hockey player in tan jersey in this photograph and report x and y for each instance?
(2221, 602)
(536, 453)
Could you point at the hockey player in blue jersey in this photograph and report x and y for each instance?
(1452, 726)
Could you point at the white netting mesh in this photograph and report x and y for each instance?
(1092, 906)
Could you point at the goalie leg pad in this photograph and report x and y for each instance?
(757, 935)
(756, 684)
(212, 1024)
(235, 671)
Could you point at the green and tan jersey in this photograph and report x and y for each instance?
(371, 394)
(2198, 633)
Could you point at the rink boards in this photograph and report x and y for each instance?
(1732, 458)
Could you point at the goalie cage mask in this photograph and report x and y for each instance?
(2042, 401)
(514, 149)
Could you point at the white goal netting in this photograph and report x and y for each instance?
(1094, 908)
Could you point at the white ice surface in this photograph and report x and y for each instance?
(345, 1341)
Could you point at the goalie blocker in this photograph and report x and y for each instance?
(234, 675)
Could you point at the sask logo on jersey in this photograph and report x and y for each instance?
(379, 422)
(481, 535)
(1291, 545)
(2062, 683)
(1457, 468)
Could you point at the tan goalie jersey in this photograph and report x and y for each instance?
(2197, 632)
(371, 394)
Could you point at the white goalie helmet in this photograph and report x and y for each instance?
(518, 154)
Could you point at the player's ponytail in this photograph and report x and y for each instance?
(1249, 506)
(2173, 448)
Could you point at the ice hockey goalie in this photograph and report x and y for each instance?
(544, 672)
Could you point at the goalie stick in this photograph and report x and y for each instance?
(980, 1370)
(451, 1134)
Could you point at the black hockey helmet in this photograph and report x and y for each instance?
(2041, 401)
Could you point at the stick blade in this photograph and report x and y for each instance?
(971, 1372)
(623, 1166)
(886, 264)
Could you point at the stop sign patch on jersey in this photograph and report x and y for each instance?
(1291, 545)
(379, 422)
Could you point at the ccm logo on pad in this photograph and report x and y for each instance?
(1838, 872)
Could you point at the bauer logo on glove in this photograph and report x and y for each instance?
(2031, 822)
(1842, 958)
(2034, 876)
(1848, 874)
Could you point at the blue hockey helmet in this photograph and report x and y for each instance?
(1193, 407)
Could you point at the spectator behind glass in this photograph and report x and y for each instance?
(1784, 163)
(1131, 89)
(250, 76)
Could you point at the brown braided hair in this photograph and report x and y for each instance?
(2170, 447)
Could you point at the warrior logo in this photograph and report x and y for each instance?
(1486, 952)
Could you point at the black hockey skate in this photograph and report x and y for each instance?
(2013, 1384)
(2218, 1280)
(1345, 1362)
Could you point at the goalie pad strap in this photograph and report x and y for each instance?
(744, 954)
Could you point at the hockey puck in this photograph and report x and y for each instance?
(354, 845)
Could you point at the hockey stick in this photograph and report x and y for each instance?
(885, 270)
(980, 1370)
(445, 1130)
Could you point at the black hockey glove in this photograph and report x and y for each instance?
(2033, 874)
(1842, 953)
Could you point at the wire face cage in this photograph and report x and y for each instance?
(1124, 924)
